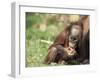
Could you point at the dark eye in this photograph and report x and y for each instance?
(74, 38)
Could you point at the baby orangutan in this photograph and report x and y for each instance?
(66, 44)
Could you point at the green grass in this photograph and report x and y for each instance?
(36, 50)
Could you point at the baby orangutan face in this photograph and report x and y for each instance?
(71, 49)
(73, 40)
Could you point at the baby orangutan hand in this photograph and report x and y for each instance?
(69, 51)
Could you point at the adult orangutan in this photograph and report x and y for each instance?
(84, 51)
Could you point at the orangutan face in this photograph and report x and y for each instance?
(74, 35)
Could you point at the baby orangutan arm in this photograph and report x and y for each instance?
(67, 51)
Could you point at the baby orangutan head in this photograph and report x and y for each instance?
(75, 36)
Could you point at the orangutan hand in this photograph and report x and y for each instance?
(70, 51)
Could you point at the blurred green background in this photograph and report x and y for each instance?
(41, 30)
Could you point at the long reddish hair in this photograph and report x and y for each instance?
(63, 37)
